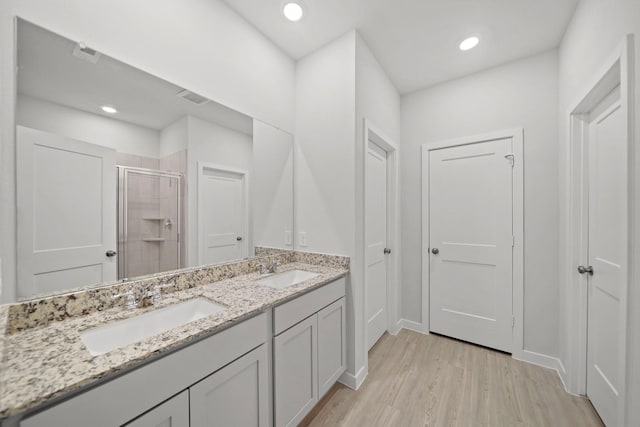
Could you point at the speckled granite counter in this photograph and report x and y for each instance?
(49, 361)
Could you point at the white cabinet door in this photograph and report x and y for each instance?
(236, 395)
(332, 349)
(295, 372)
(172, 413)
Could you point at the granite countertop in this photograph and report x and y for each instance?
(50, 361)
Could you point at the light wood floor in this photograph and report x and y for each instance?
(430, 380)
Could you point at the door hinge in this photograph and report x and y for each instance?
(513, 241)
(511, 158)
(513, 322)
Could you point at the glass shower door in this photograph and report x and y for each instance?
(149, 222)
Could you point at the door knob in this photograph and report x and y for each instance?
(582, 270)
(239, 239)
(435, 251)
(387, 251)
(110, 254)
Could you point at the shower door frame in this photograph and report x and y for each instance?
(122, 206)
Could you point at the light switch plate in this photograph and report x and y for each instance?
(288, 238)
(303, 238)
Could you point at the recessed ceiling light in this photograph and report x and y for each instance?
(469, 43)
(293, 11)
(108, 109)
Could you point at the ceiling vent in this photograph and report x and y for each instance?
(194, 98)
(86, 53)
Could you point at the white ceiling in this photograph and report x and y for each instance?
(48, 70)
(416, 41)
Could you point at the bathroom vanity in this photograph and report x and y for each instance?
(265, 359)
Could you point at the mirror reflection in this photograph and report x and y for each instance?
(121, 174)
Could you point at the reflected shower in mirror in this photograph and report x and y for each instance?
(120, 174)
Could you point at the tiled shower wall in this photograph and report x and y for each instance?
(177, 162)
(152, 198)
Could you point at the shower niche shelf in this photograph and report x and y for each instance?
(153, 239)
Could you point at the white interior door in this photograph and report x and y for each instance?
(607, 256)
(66, 199)
(376, 235)
(221, 215)
(471, 243)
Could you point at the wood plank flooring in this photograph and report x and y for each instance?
(430, 380)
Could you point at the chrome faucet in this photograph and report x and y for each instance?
(155, 293)
(262, 268)
(273, 267)
(131, 302)
(152, 296)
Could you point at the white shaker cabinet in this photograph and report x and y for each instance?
(145, 390)
(289, 358)
(236, 395)
(332, 345)
(172, 413)
(295, 372)
(309, 351)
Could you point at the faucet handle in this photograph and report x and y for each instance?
(130, 302)
(262, 268)
(156, 291)
(161, 286)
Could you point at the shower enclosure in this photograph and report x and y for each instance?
(149, 221)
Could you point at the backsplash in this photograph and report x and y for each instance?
(40, 312)
(261, 251)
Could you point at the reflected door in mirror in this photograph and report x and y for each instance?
(67, 224)
(222, 214)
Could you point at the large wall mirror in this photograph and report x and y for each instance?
(120, 174)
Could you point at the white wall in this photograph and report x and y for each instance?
(272, 187)
(337, 87)
(596, 29)
(199, 44)
(377, 101)
(519, 94)
(325, 159)
(93, 128)
(174, 137)
(211, 143)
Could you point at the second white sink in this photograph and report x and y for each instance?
(287, 278)
(103, 339)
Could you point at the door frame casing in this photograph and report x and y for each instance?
(373, 134)
(517, 137)
(246, 231)
(617, 70)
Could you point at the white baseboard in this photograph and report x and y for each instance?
(395, 329)
(354, 381)
(537, 359)
(546, 362)
(412, 326)
(562, 373)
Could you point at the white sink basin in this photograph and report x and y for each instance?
(103, 339)
(287, 278)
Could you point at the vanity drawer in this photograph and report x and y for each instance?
(292, 312)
